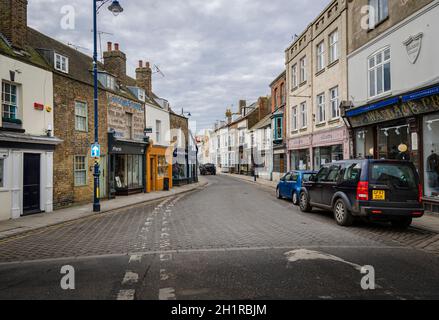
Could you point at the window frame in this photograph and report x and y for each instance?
(321, 108)
(294, 118)
(320, 56)
(130, 120)
(158, 131)
(303, 75)
(375, 68)
(62, 59)
(304, 115)
(335, 107)
(84, 170)
(294, 78)
(9, 103)
(333, 46)
(77, 102)
(380, 14)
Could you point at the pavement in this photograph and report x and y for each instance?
(429, 222)
(229, 240)
(14, 227)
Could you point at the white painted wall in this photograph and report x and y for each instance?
(35, 86)
(405, 76)
(152, 115)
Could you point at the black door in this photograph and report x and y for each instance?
(329, 186)
(31, 183)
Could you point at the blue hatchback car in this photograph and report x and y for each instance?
(290, 185)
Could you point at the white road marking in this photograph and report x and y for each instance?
(165, 257)
(126, 295)
(130, 278)
(304, 254)
(135, 258)
(167, 294)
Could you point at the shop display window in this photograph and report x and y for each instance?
(364, 143)
(128, 171)
(300, 160)
(431, 156)
(162, 167)
(394, 142)
(324, 155)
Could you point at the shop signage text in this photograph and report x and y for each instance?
(126, 103)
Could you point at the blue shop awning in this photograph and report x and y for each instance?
(420, 94)
(370, 107)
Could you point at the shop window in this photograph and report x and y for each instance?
(128, 171)
(162, 167)
(9, 101)
(80, 171)
(364, 143)
(81, 116)
(300, 160)
(431, 156)
(394, 143)
(379, 73)
(325, 155)
(2, 178)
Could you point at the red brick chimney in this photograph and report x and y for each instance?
(144, 77)
(115, 61)
(13, 21)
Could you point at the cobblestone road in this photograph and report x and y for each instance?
(208, 231)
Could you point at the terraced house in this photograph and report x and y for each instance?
(27, 140)
(316, 84)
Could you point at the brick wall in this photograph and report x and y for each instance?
(66, 92)
(179, 122)
(13, 21)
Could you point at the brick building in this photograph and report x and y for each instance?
(278, 102)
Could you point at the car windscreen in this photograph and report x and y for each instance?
(306, 177)
(395, 175)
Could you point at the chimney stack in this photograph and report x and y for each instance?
(242, 107)
(115, 62)
(13, 21)
(144, 77)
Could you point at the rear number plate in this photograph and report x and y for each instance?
(379, 195)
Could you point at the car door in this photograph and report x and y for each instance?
(291, 185)
(329, 185)
(315, 190)
(283, 184)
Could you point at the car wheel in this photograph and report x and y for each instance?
(304, 203)
(402, 223)
(342, 215)
(278, 194)
(295, 198)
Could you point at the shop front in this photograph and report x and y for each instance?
(402, 128)
(299, 150)
(330, 146)
(159, 168)
(180, 167)
(126, 166)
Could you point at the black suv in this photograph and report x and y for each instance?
(208, 169)
(374, 189)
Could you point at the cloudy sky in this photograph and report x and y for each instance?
(212, 52)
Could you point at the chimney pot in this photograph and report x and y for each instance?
(140, 64)
(116, 47)
(109, 46)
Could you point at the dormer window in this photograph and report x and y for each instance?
(61, 63)
(111, 82)
(106, 80)
(141, 95)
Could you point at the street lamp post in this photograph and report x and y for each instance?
(115, 8)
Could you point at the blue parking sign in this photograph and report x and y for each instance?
(95, 150)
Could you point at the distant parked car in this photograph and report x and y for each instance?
(290, 185)
(208, 169)
(373, 189)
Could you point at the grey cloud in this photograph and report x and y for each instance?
(213, 53)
